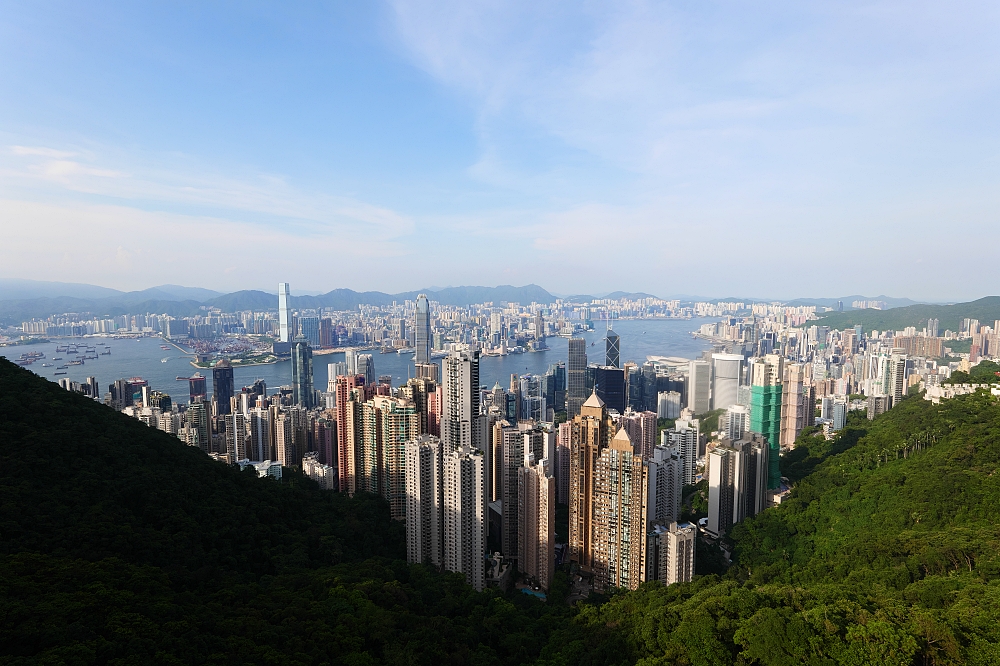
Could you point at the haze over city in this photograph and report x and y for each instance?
(637, 146)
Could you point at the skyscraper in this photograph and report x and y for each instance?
(302, 373)
(576, 376)
(284, 316)
(610, 385)
(222, 386)
(765, 408)
(699, 386)
(422, 330)
(309, 327)
(366, 367)
(613, 348)
(727, 372)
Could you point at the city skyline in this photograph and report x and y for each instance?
(183, 141)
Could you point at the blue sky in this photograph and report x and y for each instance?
(774, 149)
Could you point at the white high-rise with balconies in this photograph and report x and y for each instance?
(463, 495)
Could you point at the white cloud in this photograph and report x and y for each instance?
(156, 183)
(129, 248)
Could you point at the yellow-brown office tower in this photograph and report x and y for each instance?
(591, 432)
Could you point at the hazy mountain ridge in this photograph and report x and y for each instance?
(986, 310)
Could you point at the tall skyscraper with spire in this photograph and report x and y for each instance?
(284, 317)
(613, 349)
(422, 330)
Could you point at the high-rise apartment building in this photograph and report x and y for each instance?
(735, 423)
(765, 408)
(561, 468)
(461, 423)
(536, 522)
(737, 482)
(576, 376)
(236, 436)
(685, 438)
(284, 314)
(642, 430)
(346, 466)
(422, 330)
(591, 433)
(464, 508)
(259, 426)
(619, 516)
(665, 486)
(424, 517)
(671, 553)
(699, 386)
(398, 423)
(795, 403)
(513, 455)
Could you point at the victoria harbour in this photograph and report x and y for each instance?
(144, 357)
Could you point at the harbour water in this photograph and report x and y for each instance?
(144, 358)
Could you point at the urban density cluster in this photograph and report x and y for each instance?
(478, 473)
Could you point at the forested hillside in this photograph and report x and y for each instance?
(120, 545)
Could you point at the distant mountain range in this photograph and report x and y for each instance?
(24, 299)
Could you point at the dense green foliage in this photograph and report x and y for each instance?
(985, 372)
(120, 545)
(986, 310)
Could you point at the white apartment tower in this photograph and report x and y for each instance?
(664, 471)
(671, 553)
(461, 423)
(424, 529)
(536, 523)
(463, 495)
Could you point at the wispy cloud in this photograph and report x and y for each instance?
(258, 200)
